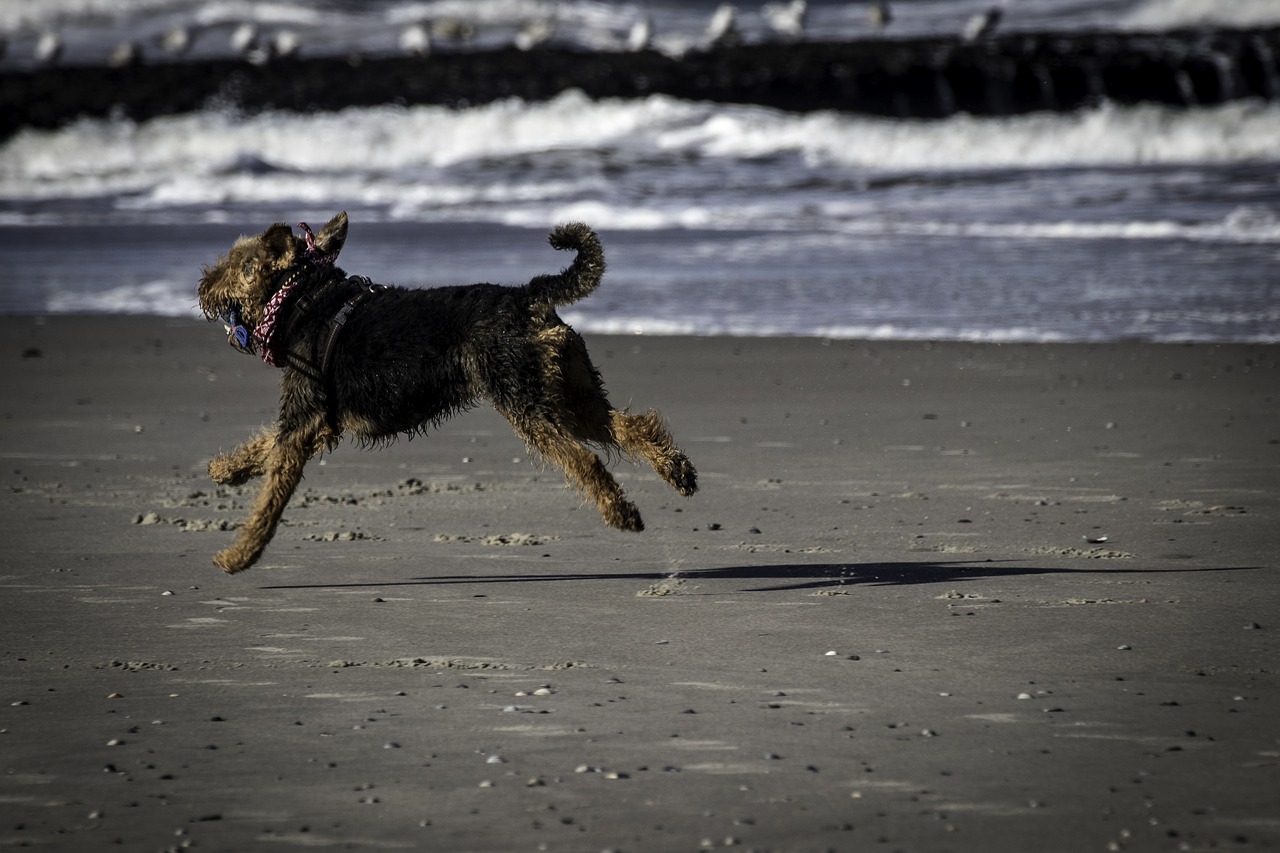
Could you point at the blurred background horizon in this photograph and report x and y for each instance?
(88, 31)
(1110, 222)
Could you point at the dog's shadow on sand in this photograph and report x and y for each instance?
(792, 576)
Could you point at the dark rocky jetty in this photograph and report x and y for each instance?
(921, 78)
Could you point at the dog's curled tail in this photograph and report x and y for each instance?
(580, 277)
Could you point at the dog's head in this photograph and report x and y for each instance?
(238, 287)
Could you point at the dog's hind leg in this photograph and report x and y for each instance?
(583, 469)
(281, 471)
(646, 436)
(589, 416)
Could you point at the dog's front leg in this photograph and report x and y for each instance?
(247, 461)
(288, 454)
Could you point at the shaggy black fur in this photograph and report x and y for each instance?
(408, 359)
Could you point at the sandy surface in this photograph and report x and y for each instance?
(931, 597)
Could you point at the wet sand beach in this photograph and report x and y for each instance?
(931, 597)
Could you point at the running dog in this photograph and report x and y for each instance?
(377, 361)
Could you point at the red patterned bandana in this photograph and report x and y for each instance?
(272, 352)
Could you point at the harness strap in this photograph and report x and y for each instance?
(335, 327)
(301, 308)
(331, 346)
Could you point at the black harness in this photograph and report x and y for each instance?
(337, 321)
(319, 368)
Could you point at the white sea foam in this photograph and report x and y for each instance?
(424, 161)
(1161, 15)
(1106, 136)
(991, 333)
(165, 298)
(175, 299)
(1243, 225)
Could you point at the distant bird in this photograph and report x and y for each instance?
(535, 32)
(722, 29)
(244, 38)
(640, 35)
(786, 19)
(285, 43)
(125, 53)
(176, 41)
(244, 41)
(452, 29)
(982, 25)
(48, 48)
(415, 40)
(880, 14)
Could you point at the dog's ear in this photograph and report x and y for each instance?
(333, 235)
(278, 243)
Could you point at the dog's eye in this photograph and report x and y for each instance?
(247, 269)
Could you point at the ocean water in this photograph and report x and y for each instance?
(1110, 223)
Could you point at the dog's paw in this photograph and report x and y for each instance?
(223, 472)
(624, 516)
(231, 561)
(682, 476)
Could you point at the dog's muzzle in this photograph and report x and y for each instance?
(238, 335)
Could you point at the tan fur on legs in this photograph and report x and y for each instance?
(647, 436)
(584, 470)
(285, 458)
(582, 409)
(245, 462)
(249, 460)
(585, 411)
